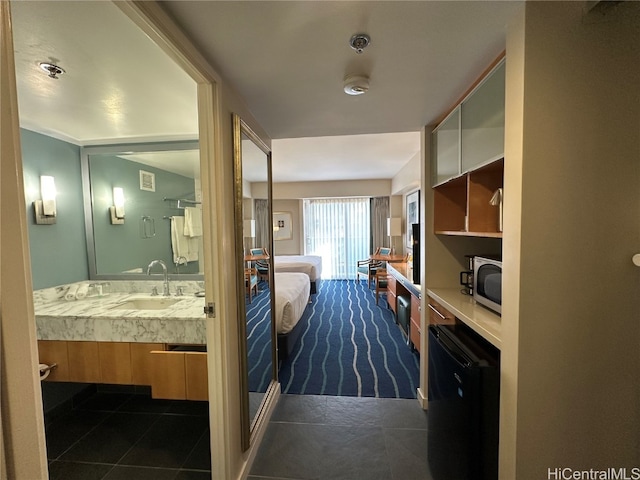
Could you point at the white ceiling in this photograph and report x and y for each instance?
(288, 61)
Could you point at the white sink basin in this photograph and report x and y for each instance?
(146, 304)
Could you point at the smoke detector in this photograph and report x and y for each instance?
(356, 84)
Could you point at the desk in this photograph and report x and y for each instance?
(388, 258)
(253, 258)
(399, 282)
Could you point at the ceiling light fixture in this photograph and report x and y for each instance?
(356, 84)
(52, 70)
(359, 42)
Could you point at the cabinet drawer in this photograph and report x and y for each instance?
(392, 293)
(179, 375)
(55, 351)
(415, 309)
(84, 362)
(415, 331)
(415, 334)
(196, 376)
(440, 315)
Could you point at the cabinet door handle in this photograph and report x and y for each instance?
(437, 312)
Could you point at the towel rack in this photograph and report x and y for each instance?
(180, 201)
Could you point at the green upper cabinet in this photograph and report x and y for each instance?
(446, 149)
(473, 133)
(483, 121)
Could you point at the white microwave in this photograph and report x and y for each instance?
(487, 282)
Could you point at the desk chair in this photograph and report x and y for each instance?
(367, 268)
(382, 282)
(251, 282)
(262, 266)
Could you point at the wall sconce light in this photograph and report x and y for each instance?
(394, 229)
(45, 209)
(117, 210)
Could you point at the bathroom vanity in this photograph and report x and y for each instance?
(126, 336)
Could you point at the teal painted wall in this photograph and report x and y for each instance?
(121, 248)
(59, 251)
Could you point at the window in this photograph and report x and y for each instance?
(338, 230)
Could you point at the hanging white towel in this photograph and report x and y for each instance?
(192, 222)
(182, 246)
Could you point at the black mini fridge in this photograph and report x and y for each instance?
(463, 404)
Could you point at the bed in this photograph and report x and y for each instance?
(311, 265)
(292, 296)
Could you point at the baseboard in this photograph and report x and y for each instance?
(422, 398)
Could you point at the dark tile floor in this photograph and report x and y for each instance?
(125, 436)
(324, 437)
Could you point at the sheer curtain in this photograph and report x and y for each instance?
(338, 230)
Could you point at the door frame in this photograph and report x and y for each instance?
(23, 453)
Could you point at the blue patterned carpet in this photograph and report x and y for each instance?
(351, 347)
(259, 340)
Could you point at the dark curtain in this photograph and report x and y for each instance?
(379, 215)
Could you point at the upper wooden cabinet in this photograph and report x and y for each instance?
(467, 161)
(463, 205)
(483, 121)
(446, 149)
(472, 135)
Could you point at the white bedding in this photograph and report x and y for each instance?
(309, 264)
(292, 296)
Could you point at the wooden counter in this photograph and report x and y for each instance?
(403, 273)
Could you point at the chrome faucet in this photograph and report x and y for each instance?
(165, 289)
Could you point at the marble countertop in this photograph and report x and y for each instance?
(95, 318)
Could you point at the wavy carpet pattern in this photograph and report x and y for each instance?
(350, 346)
(259, 340)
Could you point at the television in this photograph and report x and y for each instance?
(415, 244)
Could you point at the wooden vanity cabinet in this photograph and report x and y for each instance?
(142, 365)
(84, 362)
(54, 351)
(115, 363)
(177, 372)
(180, 373)
(197, 381)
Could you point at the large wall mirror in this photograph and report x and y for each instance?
(142, 203)
(254, 241)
